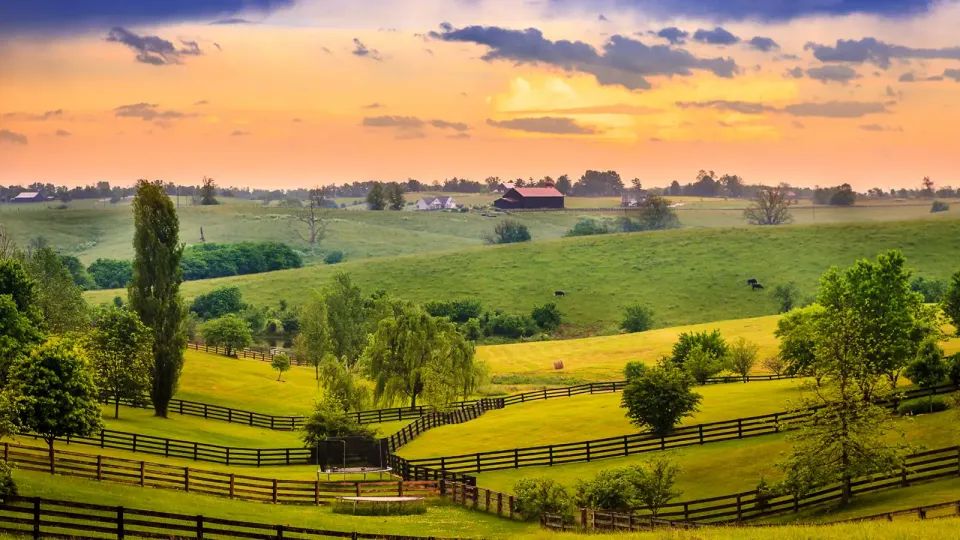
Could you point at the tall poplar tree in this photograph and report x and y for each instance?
(154, 291)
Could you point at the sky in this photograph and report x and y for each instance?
(296, 93)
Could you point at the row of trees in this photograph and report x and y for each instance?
(653, 214)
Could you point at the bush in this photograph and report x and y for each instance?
(660, 399)
(471, 330)
(702, 364)
(637, 318)
(330, 419)
(712, 343)
(939, 206)
(649, 485)
(458, 311)
(212, 260)
(81, 278)
(588, 227)
(509, 326)
(536, 496)
(333, 257)
(922, 406)
(111, 273)
(218, 302)
(634, 370)
(509, 232)
(547, 316)
(7, 485)
(931, 289)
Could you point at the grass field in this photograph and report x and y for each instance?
(687, 276)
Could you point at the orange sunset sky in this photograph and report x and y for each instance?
(311, 92)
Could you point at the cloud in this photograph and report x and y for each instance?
(152, 49)
(361, 50)
(393, 121)
(602, 18)
(673, 34)
(952, 73)
(62, 133)
(148, 112)
(297, 121)
(239, 133)
(619, 108)
(764, 44)
(545, 124)
(232, 21)
(459, 136)
(31, 117)
(623, 61)
(830, 109)
(201, 102)
(326, 50)
(910, 77)
(830, 73)
(717, 36)
(410, 134)
(798, 124)
(443, 124)
(12, 137)
(796, 73)
(66, 16)
(878, 127)
(876, 52)
(907, 77)
(374, 105)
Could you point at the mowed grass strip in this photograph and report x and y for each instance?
(688, 276)
(441, 519)
(722, 468)
(584, 417)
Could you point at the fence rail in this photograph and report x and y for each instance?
(38, 517)
(920, 512)
(234, 486)
(625, 445)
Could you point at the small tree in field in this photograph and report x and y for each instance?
(119, 348)
(657, 484)
(742, 357)
(928, 369)
(377, 197)
(536, 496)
(786, 296)
(771, 206)
(702, 365)
(660, 399)
(230, 332)
(637, 318)
(508, 232)
(330, 419)
(710, 342)
(774, 364)
(53, 394)
(281, 363)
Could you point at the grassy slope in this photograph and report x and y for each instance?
(688, 276)
(587, 417)
(726, 467)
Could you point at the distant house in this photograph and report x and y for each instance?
(530, 198)
(436, 203)
(27, 196)
(633, 198)
(505, 187)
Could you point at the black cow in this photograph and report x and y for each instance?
(756, 286)
(752, 281)
(559, 293)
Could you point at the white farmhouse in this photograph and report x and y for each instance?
(436, 203)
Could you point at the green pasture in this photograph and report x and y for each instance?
(563, 420)
(722, 468)
(687, 276)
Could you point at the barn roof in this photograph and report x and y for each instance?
(534, 192)
(27, 195)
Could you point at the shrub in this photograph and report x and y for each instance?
(111, 273)
(637, 318)
(471, 330)
(330, 419)
(218, 302)
(588, 227)
(712, 343)
(536, 496)
(213, 260)
(922, 406)
(931, 289)
(660, 399)
(509, 232)
(634, 370)
(510, 326)
(7, 485)
(939, 206)
(702, 364)
(333, 257)
(547, 316)
(458, 311)
(610, 489)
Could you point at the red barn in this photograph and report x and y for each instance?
(530, 198)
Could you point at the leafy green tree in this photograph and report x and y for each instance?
(229, 331)
(770, 206)
(637, 318)
(154, 291)
(58, 298)
(111, 273)
(218, 302)
(208, 192)
(8, 486)
(701, 364)
(538, 496)
(711, 343)
(649, 484)
(786, 296)
(655, 214)
(413, 354)
(20, 321)
(657, 483)
(634, 370)
(119, 348)
(547, 316)
(53, 393)
(377, 197)
(797, 342)
(281, 363)
(742, 356)
(314, 342)
(951, 302)
(931, 289)
(344, 383)
(347, 316)
(661, 398)
(928, 369)
(330, 419)
(508, 231)
(395, 198)
(81, 278)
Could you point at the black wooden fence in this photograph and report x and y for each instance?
(49, 518)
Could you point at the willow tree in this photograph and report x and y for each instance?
(413, 354)
(154, 291)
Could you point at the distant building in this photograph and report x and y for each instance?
(27, 196)
(530, 198)
(436, 203)
(505, 187)
(633, 198)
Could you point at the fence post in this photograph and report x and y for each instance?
(194, 451)
(588, 451)
(228, 456)
(279, 531)
(510, 502)
(686, 512)
(739, 428)
(143, 472)
(231, 485)
(274, 491)
(550, 450)
(739, 508)
(101, 438)
(36, 518)
(119, 523)
(134, 443)
(166, 448)
(516, 458)
(499, 503)
(186, 479)
(487, 508)
(199, 527)
(99, 468)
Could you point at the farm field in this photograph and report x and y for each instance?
(687, 276)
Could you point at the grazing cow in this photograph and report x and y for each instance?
(756, 286)
(559, 293)
(752, 281)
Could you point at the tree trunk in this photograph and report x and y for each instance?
(279, 375)
(316, 371)
(413, 401)
(53, 468)
(116, 406)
